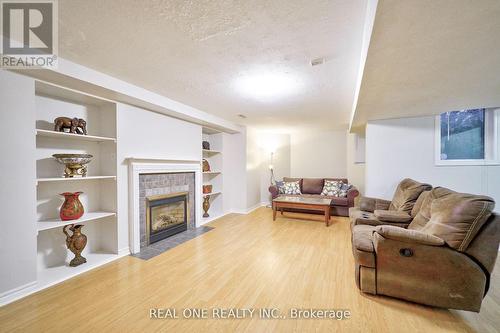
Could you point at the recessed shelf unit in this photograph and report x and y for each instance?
(214, 177)
(99, 188)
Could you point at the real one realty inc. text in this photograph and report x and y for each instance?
(246, 313)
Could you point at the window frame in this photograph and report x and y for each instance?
(491, 156)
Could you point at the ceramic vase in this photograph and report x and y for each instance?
(76, 243)
(72, 208)
(206, 205)
(206, 166)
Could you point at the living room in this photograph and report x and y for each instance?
(250, 166)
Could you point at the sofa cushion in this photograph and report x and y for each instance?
(407, 194)
(392, 216)
(418, 203)
(291, 188)
(312, 185)
(457, 217)
(331, 187)
(289, 179)
(362, 245)
(424, 213)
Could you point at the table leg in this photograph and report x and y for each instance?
(327, 216)
(274, 211)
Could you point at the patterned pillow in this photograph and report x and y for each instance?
(332, 187)
(291, 187)
(279, 185)
(344, 188)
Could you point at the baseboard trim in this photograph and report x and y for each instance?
(249, 210)
(12, 295)
(124, 251)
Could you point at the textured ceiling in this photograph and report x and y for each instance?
(427, 57)
(193, 51)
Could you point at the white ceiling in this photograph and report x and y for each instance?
(431, 56)
(194, 51)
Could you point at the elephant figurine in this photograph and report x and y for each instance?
(75, 125)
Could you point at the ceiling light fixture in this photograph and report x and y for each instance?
(267, 86)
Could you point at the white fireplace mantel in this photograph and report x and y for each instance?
(139, 166)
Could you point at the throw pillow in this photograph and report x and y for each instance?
(291, 187)
(331, 187)
(279, 185)
(344, 188)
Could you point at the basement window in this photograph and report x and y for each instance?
(467, 137)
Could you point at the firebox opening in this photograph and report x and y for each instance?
(166, 215)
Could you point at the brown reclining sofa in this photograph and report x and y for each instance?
(431, 246)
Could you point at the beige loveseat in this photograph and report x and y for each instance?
(443, 256)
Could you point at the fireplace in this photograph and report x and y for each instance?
(166, 215)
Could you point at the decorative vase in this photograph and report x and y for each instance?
(75, 164)
(207, 189)
(72, 208)
(76, 243)
(205, 145)
(206, 205)
(206, 166)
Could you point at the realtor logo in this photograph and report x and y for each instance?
(29, 34)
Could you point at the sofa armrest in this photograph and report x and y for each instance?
(410, 236)
(394, 216)
(273, 189)
(368, 204)
(351, 195)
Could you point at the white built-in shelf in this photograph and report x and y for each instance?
(87, 217)
(212, 193)
(211, 152)
(63, 179)
(52, 275)
(62, 135)
(211, 172)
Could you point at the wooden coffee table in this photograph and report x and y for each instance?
(315, 204)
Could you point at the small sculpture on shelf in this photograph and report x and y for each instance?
(207, 189)
(72, 208)
(206, 166)
(76, 164)
(70, 125)
(205, 145)
(206, 205)
(76, 243)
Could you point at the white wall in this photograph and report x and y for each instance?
(253, 169)
(18, 186)
(234, 172)
(319, 154)
(279, 144)
(356, 153)
(400, 148)
(143, 134)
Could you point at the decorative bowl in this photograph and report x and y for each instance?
(75, 164)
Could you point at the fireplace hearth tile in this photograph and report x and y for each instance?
(164, 245)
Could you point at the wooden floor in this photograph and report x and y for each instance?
(247, 261)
